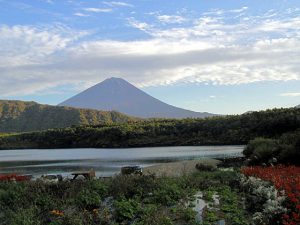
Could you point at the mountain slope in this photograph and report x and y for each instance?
(117, 94)
(19, 116)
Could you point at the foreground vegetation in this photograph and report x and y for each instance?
(122, 200)
(19, 116)
(226, 130)
(254, 195)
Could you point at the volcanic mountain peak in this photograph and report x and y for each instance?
(119, 95)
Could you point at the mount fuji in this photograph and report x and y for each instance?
(119, 95)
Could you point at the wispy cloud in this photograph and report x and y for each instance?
(118, 4)
(290, 94)
(171, 19)
(81, 14)
(219, 12)
(243, 9)
(98, 10)
(48, 1)
(139, 25)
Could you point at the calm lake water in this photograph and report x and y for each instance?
(105, 162)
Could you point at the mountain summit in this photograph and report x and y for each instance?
(119, 95)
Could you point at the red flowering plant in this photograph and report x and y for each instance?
(284, 178)
(14, 177)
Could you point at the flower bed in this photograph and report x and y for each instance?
(284, 178)
(14, 177)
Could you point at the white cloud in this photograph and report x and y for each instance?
(273, 25)
(117, 4)
(139, 25)
(98, 10)
(81, 14)
(49, 1)
(290, 94)
(209, 50)
(243, 9)
(219, 12)
(171, 19)
(25, 45)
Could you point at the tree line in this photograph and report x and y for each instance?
(221, 130)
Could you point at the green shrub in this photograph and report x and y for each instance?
(285, 149)
(99, 187)
(126, 209)
(129, 186)
(261, 150)
(182, 213)
(12, 195)
(210, 217)
(88, 199)
(231, 207)
(168, 193)
(205, 167)
(23, 216)
(45, 202)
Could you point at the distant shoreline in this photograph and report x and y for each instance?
(159, 146)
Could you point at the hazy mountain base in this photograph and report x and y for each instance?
(228, 130)
(19, 116)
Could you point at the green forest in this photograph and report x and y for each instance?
(222, 130)
(20, 116)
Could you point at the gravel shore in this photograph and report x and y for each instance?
(174, 169)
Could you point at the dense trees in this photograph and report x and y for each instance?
(19, 116)
(239, 129)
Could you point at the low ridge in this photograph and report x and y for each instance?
(20, 116)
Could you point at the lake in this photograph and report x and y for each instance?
(105, 162)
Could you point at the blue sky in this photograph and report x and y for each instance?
(224, 57)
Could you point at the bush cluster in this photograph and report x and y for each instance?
(284, 150)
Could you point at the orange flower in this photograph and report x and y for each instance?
(57, 212)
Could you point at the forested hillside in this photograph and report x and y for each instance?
(19, 116)
(239, 129)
